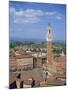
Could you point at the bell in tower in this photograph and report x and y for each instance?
(49, 35)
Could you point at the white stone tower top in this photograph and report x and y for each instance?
(49, 34)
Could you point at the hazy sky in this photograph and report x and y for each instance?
(30, 20)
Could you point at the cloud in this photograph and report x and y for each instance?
(50, 13)
(12, 10)
(34, 12)
(30, 15)
(58, 17)
(26, 16)
(19, 13)
(26, 20)
(27, 12)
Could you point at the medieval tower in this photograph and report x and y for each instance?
(50, 59)
(49, 45)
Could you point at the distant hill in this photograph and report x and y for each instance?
(35, 40)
